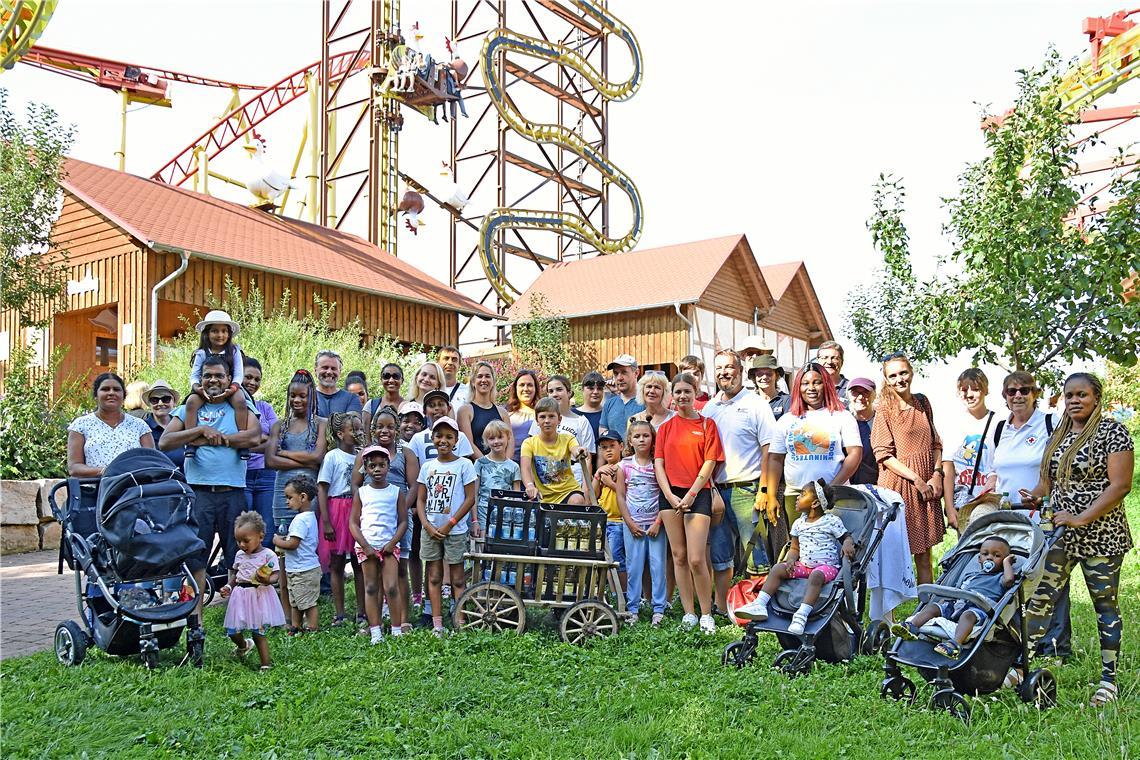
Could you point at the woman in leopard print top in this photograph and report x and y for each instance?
(1087, 472)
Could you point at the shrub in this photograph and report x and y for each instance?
(33, 422)
(283, 343)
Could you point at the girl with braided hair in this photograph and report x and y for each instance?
(1086, 472)
(334, 501)
(297, 447)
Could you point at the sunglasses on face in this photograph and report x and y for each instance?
(161, 399)
(1014, 391)
(391, 376)
(596, 386)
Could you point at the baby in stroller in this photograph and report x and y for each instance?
(996, 577)
(814, 554)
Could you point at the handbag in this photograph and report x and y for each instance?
(741, 594)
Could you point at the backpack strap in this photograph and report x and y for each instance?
(997, 433)
(978, 457)
(1048, 424)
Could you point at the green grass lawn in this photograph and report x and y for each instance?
(644, 693)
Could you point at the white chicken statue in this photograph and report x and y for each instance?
(449, 190)
(268, 184)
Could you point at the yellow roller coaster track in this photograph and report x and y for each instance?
(505, 41)
(21, 24)
(1118, 62)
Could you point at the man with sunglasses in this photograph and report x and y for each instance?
(623, 404)
(593, 398)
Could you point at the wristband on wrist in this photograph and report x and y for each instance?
(452, 522)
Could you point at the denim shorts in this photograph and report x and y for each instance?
(723, 542)
(954, 609)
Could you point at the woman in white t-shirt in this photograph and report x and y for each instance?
(1018, 443)
(816, 438)
(95, 439)
(967, 455)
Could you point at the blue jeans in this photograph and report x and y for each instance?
(615, 542)
(636, 552)
(259, 498)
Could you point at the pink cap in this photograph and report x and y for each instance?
(446, 421)
(411, 407)
(374, 449)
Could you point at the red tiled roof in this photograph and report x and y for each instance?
(640, 279)
(780, 276)
(156, 213)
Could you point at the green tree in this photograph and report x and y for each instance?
(33, 420)
(542, 342)
(32, 268)
(282, 342)
(1023, 287)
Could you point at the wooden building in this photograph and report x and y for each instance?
(134, 242)
(660, 304)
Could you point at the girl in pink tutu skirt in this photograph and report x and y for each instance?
(253, 605)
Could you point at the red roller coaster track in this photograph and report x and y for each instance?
(260, 106)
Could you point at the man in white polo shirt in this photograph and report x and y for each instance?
(746, 427)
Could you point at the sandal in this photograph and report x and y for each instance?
(1013, 679)
(906, 630)
(266, 668)
(948, 648)
(338, 621)
(241, 652)
(1105, 693)
(292, 630)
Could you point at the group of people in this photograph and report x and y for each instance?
(397, 483)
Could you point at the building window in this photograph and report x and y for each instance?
(107, 352)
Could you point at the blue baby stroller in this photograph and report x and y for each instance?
(127, 536)
(834, 631)
(997, 643)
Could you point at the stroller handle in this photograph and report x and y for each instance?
(55, 510)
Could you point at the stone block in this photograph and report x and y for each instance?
(15, 539)
(45, 489)
(50, 533)
(19, 502)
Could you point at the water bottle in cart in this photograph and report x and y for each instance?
(491, 517)
(517, 524)
(530, 526)
(512, 577)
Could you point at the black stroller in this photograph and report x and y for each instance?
(127, 536)
(834, 630)
(995, 645)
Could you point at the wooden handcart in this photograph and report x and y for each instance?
(542, 555)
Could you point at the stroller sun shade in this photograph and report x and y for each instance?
(143, 512)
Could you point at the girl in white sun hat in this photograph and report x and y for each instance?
(218, 332)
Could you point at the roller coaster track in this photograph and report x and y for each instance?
(1118, 62)
(505, 41)
(254, 110)
(21, 24)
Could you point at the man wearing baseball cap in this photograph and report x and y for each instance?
(623, 404)
(861, 391)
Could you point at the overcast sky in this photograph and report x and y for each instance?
(771, 119)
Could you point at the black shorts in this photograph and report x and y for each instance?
(702, 504)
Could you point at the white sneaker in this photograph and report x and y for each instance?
(657, 618)
(754, 610)
(377, 638)
(708, 625)
(688, 621)
(796, 627)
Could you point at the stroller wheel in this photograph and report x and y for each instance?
(879, 637)
(150, 660)
(70, 643)
(208, 591)
(953, 703)
(794, 662)
(898, 688)
(1040, 689)
(737, 655)
(195, 651)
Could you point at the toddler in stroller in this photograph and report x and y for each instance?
(820, 617)
(128, 542)
(973, 654)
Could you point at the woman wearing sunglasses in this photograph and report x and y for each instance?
(391, 380)
(161, 399)
(1018, 444)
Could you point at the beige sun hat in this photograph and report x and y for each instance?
(161, 385)
(218, 317)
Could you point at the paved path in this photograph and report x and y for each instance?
(33, 601)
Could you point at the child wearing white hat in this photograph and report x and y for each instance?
(218, 332)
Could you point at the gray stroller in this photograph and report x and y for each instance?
(997, 644)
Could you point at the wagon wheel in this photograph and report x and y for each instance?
(489, 606)
(588, 620)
